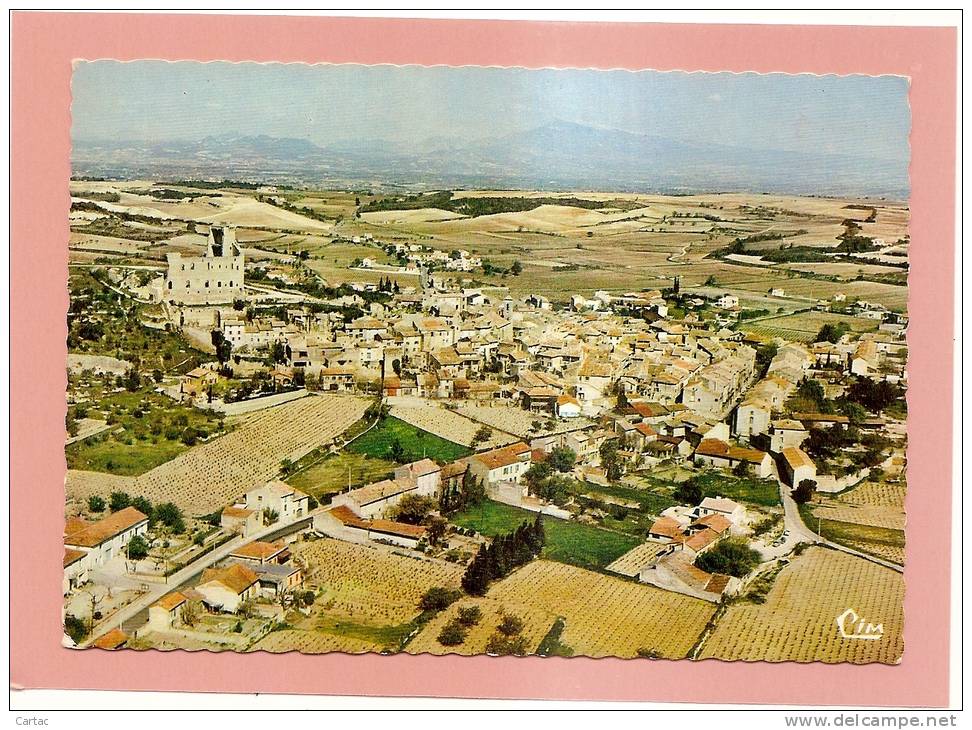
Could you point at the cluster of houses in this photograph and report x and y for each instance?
(612, 367)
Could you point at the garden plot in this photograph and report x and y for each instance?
(448, 424)
(210, 476)
(798, 621)
(520, 422)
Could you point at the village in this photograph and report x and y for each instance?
(453, 437)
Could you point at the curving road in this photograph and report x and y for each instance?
(800, 532)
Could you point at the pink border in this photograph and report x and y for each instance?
(43, 46)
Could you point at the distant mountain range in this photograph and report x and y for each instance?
(560, 155)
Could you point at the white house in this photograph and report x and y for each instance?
(732, 511)
(727, 301)
(797, 466)
(165, 613)
(224, 589)
(289, 503)
(506, 464)
(107, 538)
(568, 407)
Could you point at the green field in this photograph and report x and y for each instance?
(567, 542)
(389, 637)
(418, 444)
(334, 473)
(804, 326)
(113, 457)
(148, 429)
(764, 492)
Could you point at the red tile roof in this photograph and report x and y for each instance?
(95, 533)
(114, 639)
(665, 526)
(236, 577)
(72, 556)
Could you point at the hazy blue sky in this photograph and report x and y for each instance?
(155, 100)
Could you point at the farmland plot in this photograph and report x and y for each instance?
(536, 623)
(211, 475)
(520, 422)
(871, 504)
(605, 616)
(372, 584)
(311, 642)
(631, 563)
(447, 424)
(798, 621)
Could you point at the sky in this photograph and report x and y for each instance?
(158, 100)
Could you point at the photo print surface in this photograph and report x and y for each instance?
(462, 360)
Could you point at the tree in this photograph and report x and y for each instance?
(500, 645)
(831, 332)
(741, 469)
(804, 491)
(516, 269)
(472, 491)
(482, 435)
(96, 503)
(137, 549)
(610, 460)
(476, 578)
(132, 380)
(397, 452)
(562, 458)
(142, 505)
(470, 615)
(270, 516)
(537, 473)
(190, 612)
(118, 501)
(413, 509)
(452, 634)
(875, 396)
(222, 346)
(436, 529)
(689, 492)
(170, 516)
(438, 599)
(510, 625)
(731, 556)
(75, 628)
(278, 353)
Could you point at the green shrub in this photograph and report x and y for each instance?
(470, 615)
(452, 634)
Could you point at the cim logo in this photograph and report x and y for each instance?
(853, 626)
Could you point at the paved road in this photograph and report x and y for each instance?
(800, 532)
(126, 615)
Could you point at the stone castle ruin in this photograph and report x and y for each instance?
(213, 278)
